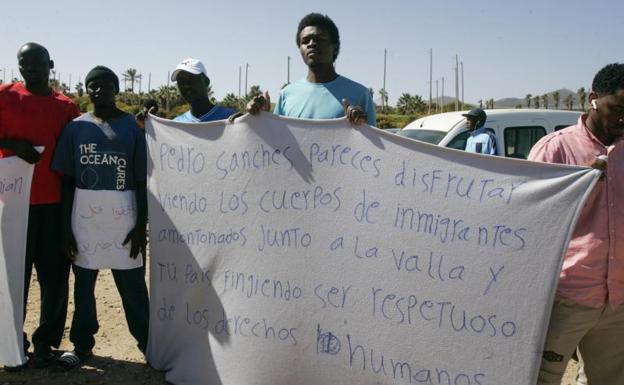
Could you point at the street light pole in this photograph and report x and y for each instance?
(437, 97)
(239, 81)
(462, 84)
(246, 73)
(288, 71)
(384, 98)
(430, 76)
(456, 82)
(167, 93)
(442, 106)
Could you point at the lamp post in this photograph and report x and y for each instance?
(246, 73)
(288, 70)
(385, 96)
(430, 77)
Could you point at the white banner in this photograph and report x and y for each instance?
(15, 179)
(290, 252)
(101, 220)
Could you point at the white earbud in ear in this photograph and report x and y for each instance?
(593, 103)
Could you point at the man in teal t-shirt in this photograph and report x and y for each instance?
(304, 99)
(322, 94)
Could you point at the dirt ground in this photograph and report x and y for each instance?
(117, 360)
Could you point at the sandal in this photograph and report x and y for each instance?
(43, 359)
(69, 360)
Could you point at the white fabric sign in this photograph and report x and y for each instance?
(290, 252)
(15, 180)
(101, 220)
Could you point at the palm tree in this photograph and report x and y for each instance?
(582, 97)
(231, 101)
(536, 101)
(569, 102)
(556, 96)
(254, 91)
(545, 101)
(130, 76)
(169, 97)
(527, 99)
(211, 93)
(384, 99)
(55, 85)
(79, 89)
(410, 104)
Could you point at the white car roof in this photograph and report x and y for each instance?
(437, 122)
(447, 120)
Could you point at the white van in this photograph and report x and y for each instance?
(516, 130)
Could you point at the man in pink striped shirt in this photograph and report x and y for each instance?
(588, 311)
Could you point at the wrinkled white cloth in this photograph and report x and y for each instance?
(101, 220)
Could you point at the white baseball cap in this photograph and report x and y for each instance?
(190, 65)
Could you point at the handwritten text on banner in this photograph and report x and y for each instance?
(304, 252)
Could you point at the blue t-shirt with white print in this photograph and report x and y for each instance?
(216, 113)
(102, 155)
(302, 99)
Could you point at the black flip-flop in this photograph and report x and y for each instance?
(43, 360)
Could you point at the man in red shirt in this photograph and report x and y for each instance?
(32, 114)
(588, 311)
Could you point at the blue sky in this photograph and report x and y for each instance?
(509, 48)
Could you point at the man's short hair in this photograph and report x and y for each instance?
(609, 79)
(324, 22)
(34, 45)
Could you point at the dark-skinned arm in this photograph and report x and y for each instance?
(69, 242)
(137, 236)
(22, 149)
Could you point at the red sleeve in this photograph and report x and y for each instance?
(74, 112)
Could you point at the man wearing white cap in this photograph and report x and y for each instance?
(193, 82)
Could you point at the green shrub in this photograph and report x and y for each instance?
(394, 120)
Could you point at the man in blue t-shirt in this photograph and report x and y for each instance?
(479, 140)
(322, 94)
(104, 153)
(193, 82)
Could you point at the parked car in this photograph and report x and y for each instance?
(516, 130)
